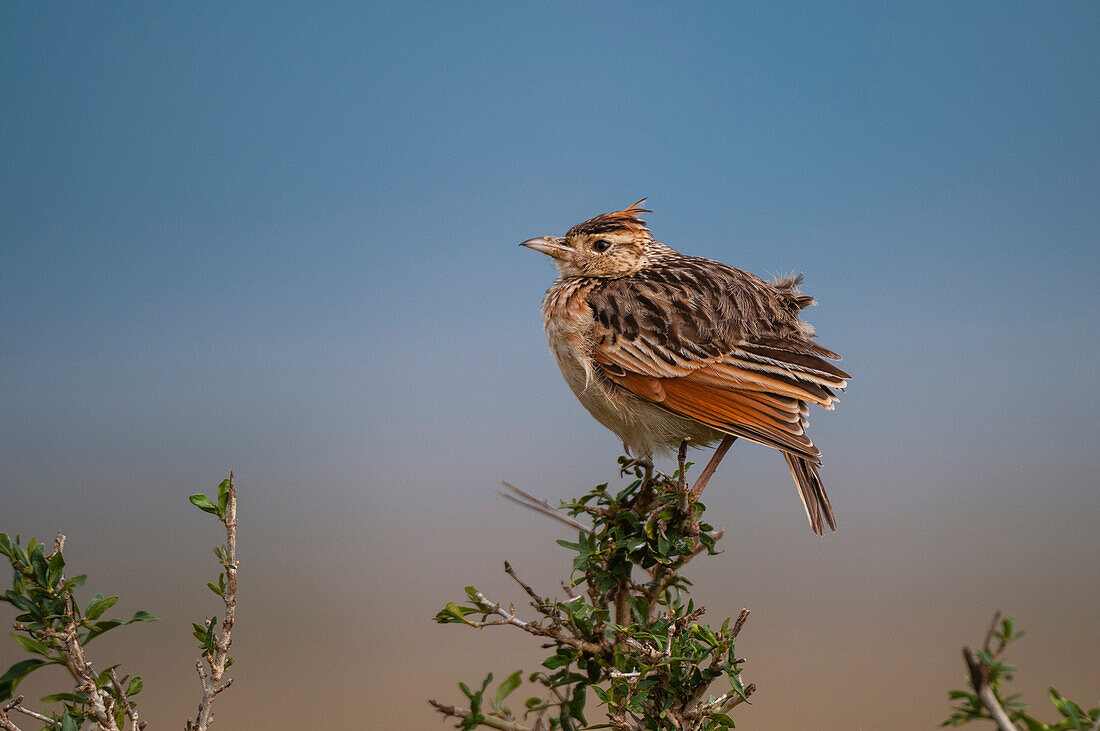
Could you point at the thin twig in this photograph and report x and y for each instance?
(490, 721)
(6, 723)
(34, 714)
(541, 506)
(131, 709)
(555, 633)
(538, 600)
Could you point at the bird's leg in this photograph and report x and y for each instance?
(681, 463)
(645, 494)
(712, 465)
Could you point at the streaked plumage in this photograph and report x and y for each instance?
(660, 347)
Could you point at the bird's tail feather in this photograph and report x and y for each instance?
(812, 493)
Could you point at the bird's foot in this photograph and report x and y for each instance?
(627, 465)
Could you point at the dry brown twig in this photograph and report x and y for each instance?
(216, 664)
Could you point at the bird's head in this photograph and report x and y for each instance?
(609, 245)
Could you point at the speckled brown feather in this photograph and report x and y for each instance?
(660, 347)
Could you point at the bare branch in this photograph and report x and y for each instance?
(739, 623)
(538, 600)
(34, 714)
(58, 544)
(5, 722)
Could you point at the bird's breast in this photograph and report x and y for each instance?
(569, 325)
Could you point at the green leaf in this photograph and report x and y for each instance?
(32, 645)
(104, 676)
(98, 606)
(223, 496)
(200, 501)
(722, 720)
(452, 613)
(738, 688)
(19, 601)
(54, 568)
(68, 723)
(105, 625)
(556, 661)
(510, 684)
(576, 704)
(135, 685)
(10, 680)
(41, 568)
(1068, 709)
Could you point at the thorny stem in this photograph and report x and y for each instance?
(213, 684)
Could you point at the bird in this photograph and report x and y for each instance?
(666, 349)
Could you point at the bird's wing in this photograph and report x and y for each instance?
(717, 345)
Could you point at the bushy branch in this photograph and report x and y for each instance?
(988, 673)
(626, 629)
(54, 629)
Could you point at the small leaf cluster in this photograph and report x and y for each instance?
(49, 615)
(968, 706)
(497, 709)
(627, 630)
(201, 501)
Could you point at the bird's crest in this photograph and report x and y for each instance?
(629, 219)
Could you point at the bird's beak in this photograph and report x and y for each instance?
(550, 245)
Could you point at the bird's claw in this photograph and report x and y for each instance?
(630, 464)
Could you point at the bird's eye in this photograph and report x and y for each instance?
(601, 245)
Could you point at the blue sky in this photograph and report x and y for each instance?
(282, 239)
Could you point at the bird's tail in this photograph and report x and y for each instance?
(812, 493)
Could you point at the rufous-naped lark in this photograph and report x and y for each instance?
(663, 348)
